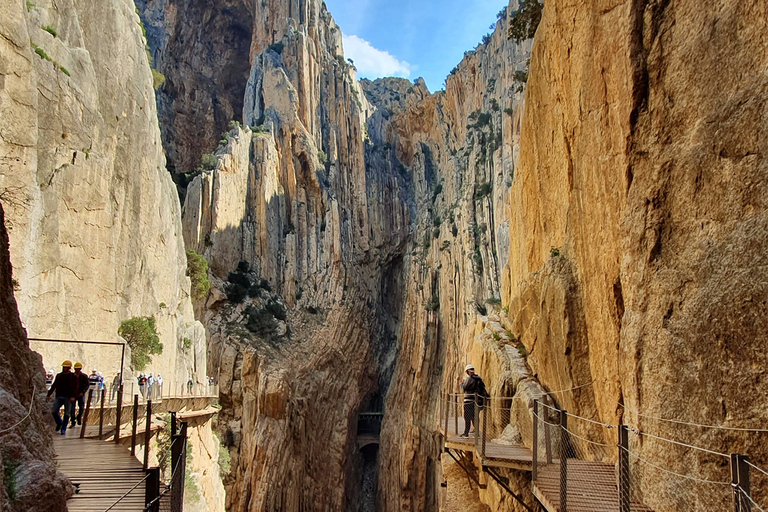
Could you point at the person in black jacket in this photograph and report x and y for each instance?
(474, 390)
(65, 386)
(82, 389)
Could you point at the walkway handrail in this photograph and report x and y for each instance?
(564, 450)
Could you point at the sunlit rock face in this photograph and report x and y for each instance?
(640, 161)
(407, 233)
(95, 221)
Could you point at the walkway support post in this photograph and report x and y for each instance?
(135, 423)
(535, 439)
(624, 482)
(101, 414)
(147, 433)
(118, 412)
(563, 461)
(152, 490)
(173, 423)
(85, 416)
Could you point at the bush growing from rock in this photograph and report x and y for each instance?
(197, 268)
(141, 335)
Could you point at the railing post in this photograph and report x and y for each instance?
(535, 447)
(743, 475)
(135, 424)
(484, 423)
(476, 419)
(624, 482)
(118, 412)
(563, 461)
(173, 423)
(547, 433)
(178, 467)
(147, 433)
(152, 490)
(735, 481)
(456, 415)
(101, 413)
(85, 416)
(447, 412)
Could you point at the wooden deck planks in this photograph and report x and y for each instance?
(592, 486)
(496, 454)
(102, 471)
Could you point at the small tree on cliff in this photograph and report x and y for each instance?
(141, 335)
(525, 20)
(197, 266)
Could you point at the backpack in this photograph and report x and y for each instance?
(481, 392)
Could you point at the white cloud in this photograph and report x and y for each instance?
(372, 62)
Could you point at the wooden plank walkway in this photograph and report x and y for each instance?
(496, 454)
(592, 486)
(102, 472)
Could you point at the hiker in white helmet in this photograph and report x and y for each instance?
(474, 394)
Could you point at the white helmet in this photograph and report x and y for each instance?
(469, 367)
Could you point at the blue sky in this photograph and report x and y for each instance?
(412, 38)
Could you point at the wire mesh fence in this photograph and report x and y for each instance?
(595, 466)
(581, 464)
(169, 389)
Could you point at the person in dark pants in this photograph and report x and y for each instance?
(65, 386)
(474, 389)
(82, 389)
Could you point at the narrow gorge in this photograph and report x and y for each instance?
(581, 214)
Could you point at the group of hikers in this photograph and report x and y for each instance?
(150, 387)
(69, 389)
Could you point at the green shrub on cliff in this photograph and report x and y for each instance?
(158, 79)
(207, 162)
(197, 267)
(141, 335)
(525, 20)
(10, 467)
(50, 30)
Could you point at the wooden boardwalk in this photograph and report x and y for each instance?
(101, 472)
(498, 455)
(592, 486)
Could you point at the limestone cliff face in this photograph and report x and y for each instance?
(458, 148)
(29, 480)
(643, 160)
(203, 51)
(95, 222)
(361, 237)
(293, 219)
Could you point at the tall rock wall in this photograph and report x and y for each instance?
(29, 480)
(292, 218)
(95, 222)
(361, 236)
(642, 159)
